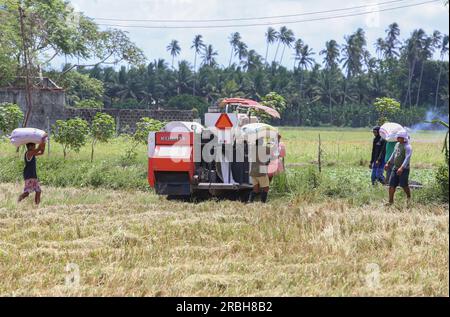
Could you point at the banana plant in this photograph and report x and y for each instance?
(445, 147)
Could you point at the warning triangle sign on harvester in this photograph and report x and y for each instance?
(223, 122)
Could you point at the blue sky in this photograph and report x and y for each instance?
(431, 16)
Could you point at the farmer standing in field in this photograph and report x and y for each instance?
(377, 160)
(399, 161)
(29, 171)
(259, 173)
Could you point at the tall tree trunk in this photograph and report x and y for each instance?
(267, 51)
(438, 84)
(282, 54)
(345, 92)
(410, 76)
(420, 84)
(92, 151)
(231, 57)
(276, 52)
(330, 103)
(195, 73)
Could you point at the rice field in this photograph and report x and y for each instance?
(86, 241)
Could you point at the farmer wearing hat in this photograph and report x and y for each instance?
(377, 159)
(399, 161)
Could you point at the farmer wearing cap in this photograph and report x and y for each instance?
(399, 161)
(377, 159)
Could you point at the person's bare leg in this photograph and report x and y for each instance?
(391, 195)
(23, 196)
(37, 198)
(407, 191)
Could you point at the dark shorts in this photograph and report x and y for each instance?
(401, 180)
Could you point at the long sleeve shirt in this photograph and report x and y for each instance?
(378, 149)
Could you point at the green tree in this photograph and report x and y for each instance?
(144, 127)
(197, 45)
(443, 48)
(274, 101)
(271, 37)
(286, 37)
(81, 87)
(188, 102)
(53, 28)
(102, 129)
(10, 117)
(386, 107)
(331, 57)
(71, 134)
(234, 40)
(174, 49)
(209, 56)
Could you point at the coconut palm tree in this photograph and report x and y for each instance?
(304, 61)
(174, 49)
(426, 52)
(331, 53)
(241, 51)
(443, 50)
(392, 42)
(271, 37)
(331, 57)
(234, 39)
(209, 56)
(279, 35)
(286, 38)
(297, 50)
(380, 46)
(412, 50)
(353, 52)
(253, 61)
(197, 45)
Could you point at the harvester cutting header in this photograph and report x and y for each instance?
(188, 158)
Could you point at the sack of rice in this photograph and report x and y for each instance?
(389, 130)
(22, 136)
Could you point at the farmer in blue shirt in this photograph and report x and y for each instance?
(399, 161)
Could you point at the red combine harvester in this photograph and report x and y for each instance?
(189, 159)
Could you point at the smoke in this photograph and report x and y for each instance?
(430, 115)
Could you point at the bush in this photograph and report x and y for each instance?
(103, 128)
(71, 134)
(89, 103)
(442, 182)
(128, 104)
(188, 102)
(10, 117)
